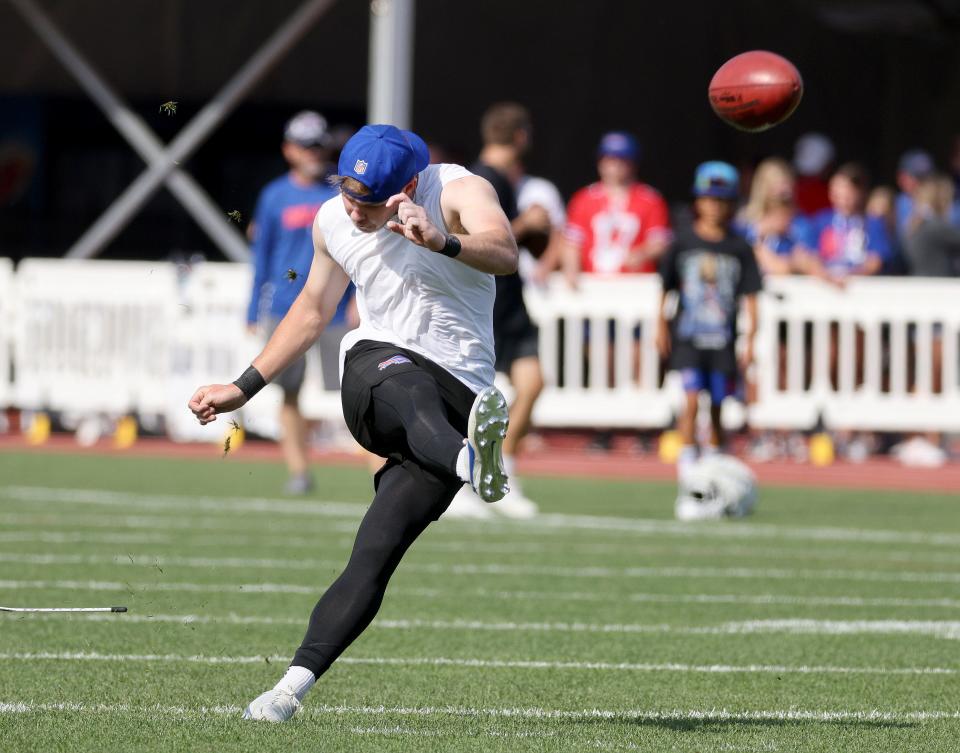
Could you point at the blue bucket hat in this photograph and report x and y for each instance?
(384, 159)
(718, 179)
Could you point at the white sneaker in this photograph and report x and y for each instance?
(467, 506)
(486, 429)
(515, 505)
(275, 705)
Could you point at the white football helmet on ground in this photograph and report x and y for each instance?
(717, 486)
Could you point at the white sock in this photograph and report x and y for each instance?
(686, 458)
(297, 680)
(463, 464)
(710, 450)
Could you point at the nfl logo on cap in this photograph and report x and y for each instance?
(361, 167)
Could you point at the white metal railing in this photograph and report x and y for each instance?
(117, 337)
(6, 331)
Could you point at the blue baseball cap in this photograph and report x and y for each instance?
(916, 162)
(619, 144)
(384, 159)
(718, 179)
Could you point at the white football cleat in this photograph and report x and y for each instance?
(517, 506)
(486, 429)
(276, 705)
(466, 505)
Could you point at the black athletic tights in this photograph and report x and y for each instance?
(407, 417)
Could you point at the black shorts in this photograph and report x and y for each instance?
(513, 345)
(368, 363)
(290, 380)
(686, 356)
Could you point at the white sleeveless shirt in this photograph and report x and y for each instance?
(413, 297)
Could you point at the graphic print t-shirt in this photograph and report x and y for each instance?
(281, 242)
(606, 227)
(710, 277)
(845, 242)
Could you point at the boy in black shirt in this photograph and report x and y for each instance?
(712, 270)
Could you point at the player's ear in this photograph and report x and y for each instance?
(411, 186)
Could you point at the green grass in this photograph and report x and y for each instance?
(591, 629)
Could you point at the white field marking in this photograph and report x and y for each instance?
(269, 505)
(157, 522)
(146, 560)
(565, 548)
(429, 661)
(521, 713)
(542, 524)
(947, 629)
(133, 588)
(75, 537)
(436, 593)
(234, 539)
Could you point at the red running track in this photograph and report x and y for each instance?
(875, 473)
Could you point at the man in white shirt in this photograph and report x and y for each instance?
(421, 243)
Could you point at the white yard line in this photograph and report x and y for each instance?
(92, 656)
(233, 539)
(484, 593)
(268, 505)
(76, 537)
(542, 524)
(146, 560)
(525, 713)
(227, 526)
(945, 629)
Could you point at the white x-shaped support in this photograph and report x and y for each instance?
(163, 162)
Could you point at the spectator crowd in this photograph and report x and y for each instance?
(813, 215)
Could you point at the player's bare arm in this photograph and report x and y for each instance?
(663, 327)
(749, 335)
(310, 313)
(472, 212)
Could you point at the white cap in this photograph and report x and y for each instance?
(307, 128)
(812, 153)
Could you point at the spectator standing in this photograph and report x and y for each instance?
(932, 249)
(813, 157)
(770, 222)
(282, 254)
(540, 255)
(847, 241)
(913, 167)
(932, 242)
(506, 129)
(713, 271)
(618, 224)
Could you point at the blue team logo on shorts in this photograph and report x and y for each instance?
(391, 361)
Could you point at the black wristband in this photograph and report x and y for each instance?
(250, 382)
(452, 247)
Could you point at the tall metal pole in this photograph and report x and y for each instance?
(390, 89)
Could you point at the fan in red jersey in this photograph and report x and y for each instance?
(618, 224)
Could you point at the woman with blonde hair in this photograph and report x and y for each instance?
(769, 220)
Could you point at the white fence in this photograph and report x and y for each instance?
(6, 331)
(118, 337)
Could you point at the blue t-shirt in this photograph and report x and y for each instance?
(844, 242)
(782, 245)
(282, 241)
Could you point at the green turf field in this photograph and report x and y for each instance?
(830, 621)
